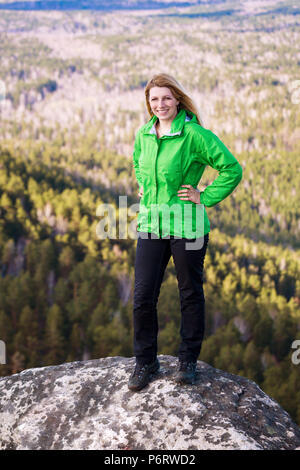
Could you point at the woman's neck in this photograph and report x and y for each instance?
(163, 129)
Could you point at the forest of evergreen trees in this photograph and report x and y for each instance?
(67, 296)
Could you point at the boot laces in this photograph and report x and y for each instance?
(139, 370)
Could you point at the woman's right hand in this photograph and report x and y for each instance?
(141, 191)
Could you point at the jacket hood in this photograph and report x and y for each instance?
(177, 124)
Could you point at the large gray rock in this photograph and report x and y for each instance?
(87, 405)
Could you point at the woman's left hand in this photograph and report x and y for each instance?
(189, 194)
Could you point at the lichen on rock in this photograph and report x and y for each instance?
(87, 405)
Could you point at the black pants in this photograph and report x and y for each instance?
(152, 257)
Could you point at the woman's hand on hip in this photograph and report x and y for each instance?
(189, 194)
(141, 191)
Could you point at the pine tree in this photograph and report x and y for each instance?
(54, 342)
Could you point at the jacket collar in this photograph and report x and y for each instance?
(177, 124)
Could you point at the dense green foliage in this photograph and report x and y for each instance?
(61, 287)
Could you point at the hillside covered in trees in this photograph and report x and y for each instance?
(73, 102)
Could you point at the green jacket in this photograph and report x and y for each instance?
(180, 157)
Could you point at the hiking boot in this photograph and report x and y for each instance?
(142, 374)
(186, 373)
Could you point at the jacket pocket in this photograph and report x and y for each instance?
(174, 177)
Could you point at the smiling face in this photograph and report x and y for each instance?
(163, 103)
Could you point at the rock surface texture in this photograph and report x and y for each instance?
(87, 405)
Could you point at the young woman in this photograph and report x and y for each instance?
(170, 154)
